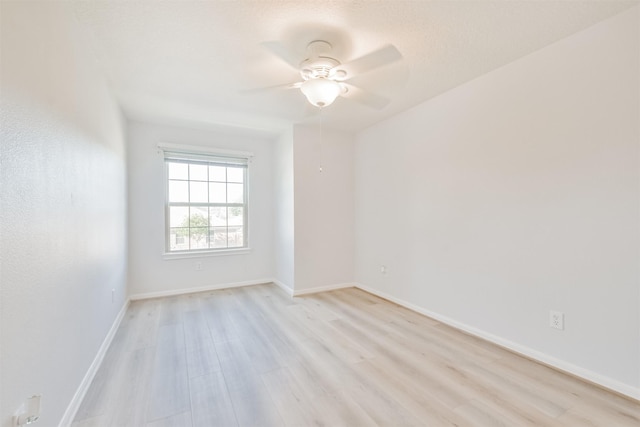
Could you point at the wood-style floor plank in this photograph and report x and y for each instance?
(179, 420)
(254, 407)
(133, 396)
(254, 356)
(292, 404)
(169, 392)
(210, 401)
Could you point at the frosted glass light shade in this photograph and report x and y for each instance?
(320, 91)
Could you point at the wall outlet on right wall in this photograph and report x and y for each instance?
(556, 319)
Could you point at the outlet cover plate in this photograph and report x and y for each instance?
(556, 319)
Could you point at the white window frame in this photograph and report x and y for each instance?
(199, 154)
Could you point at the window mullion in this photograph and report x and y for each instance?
(208, 208)
(226, 195)
(189, 200)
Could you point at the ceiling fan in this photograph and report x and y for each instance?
(324, 77)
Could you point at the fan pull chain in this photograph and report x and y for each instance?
(320, 162)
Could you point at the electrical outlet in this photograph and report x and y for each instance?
(28, 413)
(556, 319)
(198, 266)
(383, 269)
(113, 295)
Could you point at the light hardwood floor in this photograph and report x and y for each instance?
(256, 357)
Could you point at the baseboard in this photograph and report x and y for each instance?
(322, 289)
(530, 353)
(282, 286)
(74, 405)
(175, 292)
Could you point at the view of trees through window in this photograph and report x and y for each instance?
(206, 205)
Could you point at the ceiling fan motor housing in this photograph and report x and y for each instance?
(318, 63)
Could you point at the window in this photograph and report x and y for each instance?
(206, 208)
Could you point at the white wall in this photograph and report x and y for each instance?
(324, 207)
(283, 198)
(515, 194)
(149, 272)
(63, 200)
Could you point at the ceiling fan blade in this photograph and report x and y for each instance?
(285, 86)
(376, 59)
(364, 97)
(279, 50)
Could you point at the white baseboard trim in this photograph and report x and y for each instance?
(326, 288)
(544, 358)
(174, 292)
(282, 286)
(74, 405)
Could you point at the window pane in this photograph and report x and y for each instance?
(179, 239)
(235, 237)
(194, 223)
(235, 215)
(217, 173)
(235, 174)
(218, 237)
(198, 172)
(217, 193)
(198, 192)
(178, 191)
(178, 216)
(199, 217)
(218, 216)
(199, 238)
(178, 171)
(235, 193)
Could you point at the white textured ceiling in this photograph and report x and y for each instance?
(189, 61)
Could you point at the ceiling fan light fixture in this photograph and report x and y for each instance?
(321, 91)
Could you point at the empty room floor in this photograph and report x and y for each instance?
(254, 356)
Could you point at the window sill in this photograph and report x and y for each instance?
(203, 254)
